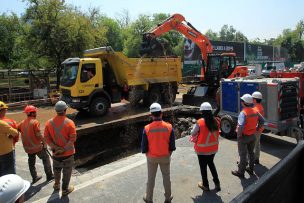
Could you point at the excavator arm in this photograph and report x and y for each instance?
(177, 22)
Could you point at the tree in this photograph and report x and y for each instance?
(10, 33)
(58, 31)
(113, 33)
(298, 51)
(300, 29)
(123, 18)
(229, 33)
(211, 35)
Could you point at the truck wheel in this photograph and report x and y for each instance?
(99, 106)
(227, 126)
(169, 95)
(154, 96)
(135, 95)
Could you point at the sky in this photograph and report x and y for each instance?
(262, 19)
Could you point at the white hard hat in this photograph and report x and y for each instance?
(206, 106)
(60, 106)
(257, 95)
(155, 107)
(247, 98)
(12, 187)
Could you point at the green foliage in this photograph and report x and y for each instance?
(58, 31)
(211, 35)
(10, 33)
(293, 41)
(227, 33)
(113, 33)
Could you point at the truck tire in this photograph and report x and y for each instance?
(169, 95)
(154, 96)
(227, 126)
(99, 106)
(135, 95)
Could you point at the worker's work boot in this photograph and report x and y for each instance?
(256, 161)
(249, 170)
(217, 187)
(36, 179)
(169, 201)
(50, 178)
(68, 191)
(200, 185)
(236, 173)
(146, 200)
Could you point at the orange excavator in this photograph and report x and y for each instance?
(213, 66)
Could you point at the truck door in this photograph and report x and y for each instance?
(90, 77)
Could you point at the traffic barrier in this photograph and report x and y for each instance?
(283, 183)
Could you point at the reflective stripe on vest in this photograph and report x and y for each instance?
(159, 130)
(32, 146)
(259, 108)
(58, 136)
(207, 144)
(57, 131)
(158, 135)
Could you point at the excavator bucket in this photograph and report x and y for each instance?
(154, 47)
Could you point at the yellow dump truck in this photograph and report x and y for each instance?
(104, 77)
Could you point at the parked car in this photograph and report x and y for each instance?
(277, 66)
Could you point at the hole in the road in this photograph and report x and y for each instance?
(113, 143)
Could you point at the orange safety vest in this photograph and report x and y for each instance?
(59, 134)
(207, 142)
(158, 134)
(13, 124)
(31, 142)
(251, 121)
(259, 108)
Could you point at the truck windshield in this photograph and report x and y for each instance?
(69, 74)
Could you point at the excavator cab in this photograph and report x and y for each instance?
(219, 66)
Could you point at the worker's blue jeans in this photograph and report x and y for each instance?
(7, 164)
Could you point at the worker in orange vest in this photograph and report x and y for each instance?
(33, 144)
(7, 153)
(13, 124)
(257, 99)
(158, 143)
(249, 122)
(206, 133)
(60, 135)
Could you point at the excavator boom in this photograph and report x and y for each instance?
(177, 22)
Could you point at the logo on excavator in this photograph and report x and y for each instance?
(192, 34)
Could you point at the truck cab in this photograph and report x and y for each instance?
(81, 80)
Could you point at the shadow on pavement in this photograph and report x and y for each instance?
(260, 170)
(270, 145)
(245, 182)
(34, 189)
(210, 196)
